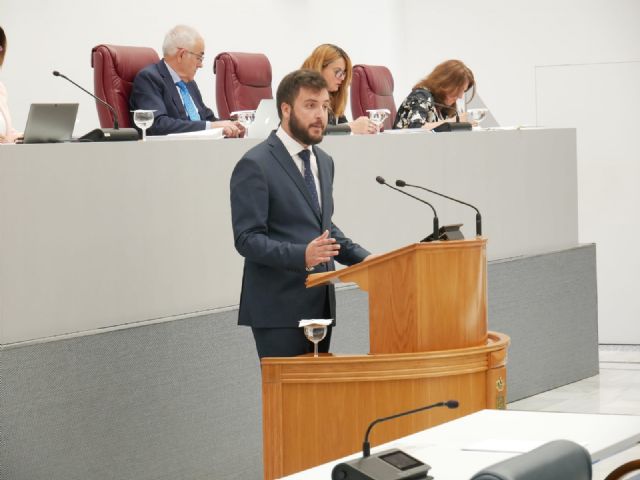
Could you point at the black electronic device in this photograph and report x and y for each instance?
(391, 464)
(402, 183)
(115, 134)
(446, 232)
(452, 126)
(382, 181)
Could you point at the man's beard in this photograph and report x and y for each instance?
(300, 133)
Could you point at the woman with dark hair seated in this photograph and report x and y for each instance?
(335, 66)
(433, 99)
(7, 133)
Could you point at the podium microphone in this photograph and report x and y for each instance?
(436, 226)
(402, 183)
(103, 134)
(391, 463)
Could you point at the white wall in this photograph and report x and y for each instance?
(503, 41)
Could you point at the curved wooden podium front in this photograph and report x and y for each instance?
(317, 409)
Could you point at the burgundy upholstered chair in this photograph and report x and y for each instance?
(242, 80)
(372, 88)
(114, 68)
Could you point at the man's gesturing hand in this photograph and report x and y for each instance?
(320, 250)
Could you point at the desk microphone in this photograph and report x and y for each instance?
(451, 126)
(391, 463)
(103, 134)
(402, 183)
(436, 226)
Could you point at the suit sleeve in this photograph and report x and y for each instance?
(149, 93)
(250, 213)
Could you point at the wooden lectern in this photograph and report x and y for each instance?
(429, 343)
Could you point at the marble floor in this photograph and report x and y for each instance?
(615, 390)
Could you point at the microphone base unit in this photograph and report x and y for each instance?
(391, 464)
(453, 127)
(446, 232)
(110, 135)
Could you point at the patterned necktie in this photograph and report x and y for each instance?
(309, 180)
(189, 106)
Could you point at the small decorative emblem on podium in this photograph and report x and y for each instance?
(500, 384)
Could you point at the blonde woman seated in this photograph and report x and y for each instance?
(7, 133)
(433, 99)
(335, 66)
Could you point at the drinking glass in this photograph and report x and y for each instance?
(246, 118)
(143, 120)
(477, 115)
(315, 333)
(378, 116)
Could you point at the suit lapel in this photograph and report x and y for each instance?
(288, 165)
(172, 89)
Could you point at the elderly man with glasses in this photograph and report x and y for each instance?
(169, 88)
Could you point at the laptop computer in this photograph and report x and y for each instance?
(266, 119)
(50, 122)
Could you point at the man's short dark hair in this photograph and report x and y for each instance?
(293, 82)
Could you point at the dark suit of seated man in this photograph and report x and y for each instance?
(281, 207)
(169, 88)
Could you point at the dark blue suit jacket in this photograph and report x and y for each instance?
(153, 89)
(273, 221)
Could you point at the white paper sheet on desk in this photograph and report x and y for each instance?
(208, 133)
(405, 131)
(504, 446)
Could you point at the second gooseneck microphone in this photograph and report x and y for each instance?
(436, 224)
(402, 183)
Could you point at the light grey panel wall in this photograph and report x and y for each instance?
(547, 304)
(178, 400)
(182, 399)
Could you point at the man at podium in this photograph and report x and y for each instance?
(281, 208)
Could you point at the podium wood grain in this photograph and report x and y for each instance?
(423, 297)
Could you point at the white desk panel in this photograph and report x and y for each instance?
(100, 235)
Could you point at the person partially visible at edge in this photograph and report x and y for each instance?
(169, 88)
(281, 212)
(432, 100)
(335, 66)
(8, 134)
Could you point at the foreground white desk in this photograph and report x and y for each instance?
(458, 449)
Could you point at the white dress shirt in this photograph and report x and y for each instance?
(294, 147)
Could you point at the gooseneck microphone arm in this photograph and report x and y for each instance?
(442, 105)
(113, 112)
(402, 183)
(366, 447)
(436, 225)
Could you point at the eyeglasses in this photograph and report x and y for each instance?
(199, 56)
(339, 73)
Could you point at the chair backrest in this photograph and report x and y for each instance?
(557, 460)
(372, 88)
(242, 80)
(114, 68)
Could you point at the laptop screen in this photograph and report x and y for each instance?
(50, 122)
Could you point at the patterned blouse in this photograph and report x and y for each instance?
(416, 110)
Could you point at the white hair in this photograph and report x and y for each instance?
(180, 36)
